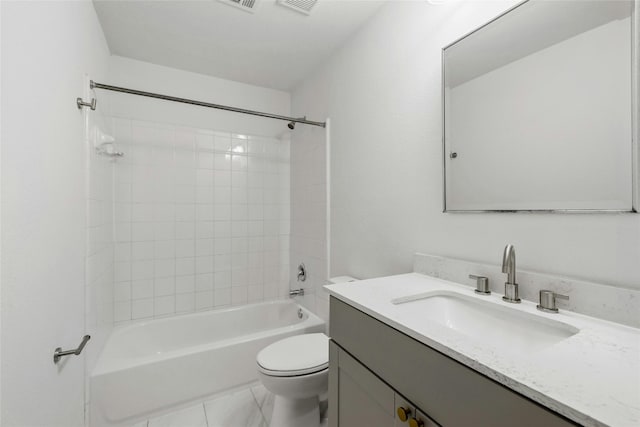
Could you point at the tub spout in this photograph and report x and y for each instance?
(296, 292)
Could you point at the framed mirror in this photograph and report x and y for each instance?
(540, 110)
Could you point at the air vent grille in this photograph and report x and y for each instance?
(303, 6)
(246, 5)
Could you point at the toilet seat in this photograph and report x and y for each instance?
(294, 356)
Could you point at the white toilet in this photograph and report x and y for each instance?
(296, 370)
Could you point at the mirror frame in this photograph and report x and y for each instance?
(635, 123)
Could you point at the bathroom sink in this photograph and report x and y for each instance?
(486, 322)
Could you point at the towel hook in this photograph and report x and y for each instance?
(59, 352)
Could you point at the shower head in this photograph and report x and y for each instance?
(292, 124)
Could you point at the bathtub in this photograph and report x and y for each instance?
(154, 365)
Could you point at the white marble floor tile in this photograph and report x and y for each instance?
(265, 401)
(237, 409)
(141, 424)
(189, 417)
(259, 393)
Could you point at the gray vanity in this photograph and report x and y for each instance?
(418, 350)
(377, 373)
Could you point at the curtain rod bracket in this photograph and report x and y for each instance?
(80, 103)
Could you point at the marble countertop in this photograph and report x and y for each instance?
(592, 377)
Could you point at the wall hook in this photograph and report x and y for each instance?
(80, 103)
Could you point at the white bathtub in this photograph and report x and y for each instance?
(154, 365)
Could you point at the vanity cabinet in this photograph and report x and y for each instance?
(374, 369)
(361, 398)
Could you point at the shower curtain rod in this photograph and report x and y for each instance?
(94, 85)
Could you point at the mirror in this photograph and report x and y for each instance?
(538, 110)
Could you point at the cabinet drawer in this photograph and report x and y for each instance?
(451, 393)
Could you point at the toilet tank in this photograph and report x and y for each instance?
(342, 279)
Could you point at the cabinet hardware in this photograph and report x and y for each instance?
(403, 413)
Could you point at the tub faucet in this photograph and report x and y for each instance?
(509, 267)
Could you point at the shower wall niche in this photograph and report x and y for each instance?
(201, 219)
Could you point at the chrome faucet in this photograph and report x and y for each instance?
(509, 267)
(296, 292)
(302, 276)
(302, 272)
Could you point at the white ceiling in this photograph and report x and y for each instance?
(274, 47)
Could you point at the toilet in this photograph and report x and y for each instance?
(296, 371)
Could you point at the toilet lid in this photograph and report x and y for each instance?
(296, 355)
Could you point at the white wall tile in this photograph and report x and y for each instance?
(122, 271)
(123, 232)
(185, 266)
(222, 297)
(162, 268)
(122, 291)
(204, 282)
(142, 270)
(185, 284)
(239, 295)
(122, 311)
(164, 305)
(185, 303)
(204, 264)
(185, 229)
(141, 231)
(204, 300)
(222, 140)
(165, 249)
(185, 212)
(222, 262)
(164, 286)
(194, 214)
(222, 162)
(222, 279)
(255, 293)
(142, 250)
(141, 289)
(142, 308)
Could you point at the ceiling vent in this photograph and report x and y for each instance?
(302, 6)
(246, 5)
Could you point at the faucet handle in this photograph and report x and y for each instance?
(548, 301)
(482, 284)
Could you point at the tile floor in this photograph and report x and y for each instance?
(248, 407)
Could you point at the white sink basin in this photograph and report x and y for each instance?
(486, 322)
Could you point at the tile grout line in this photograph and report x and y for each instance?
(258, 405)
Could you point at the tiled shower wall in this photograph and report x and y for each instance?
(201, 219)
